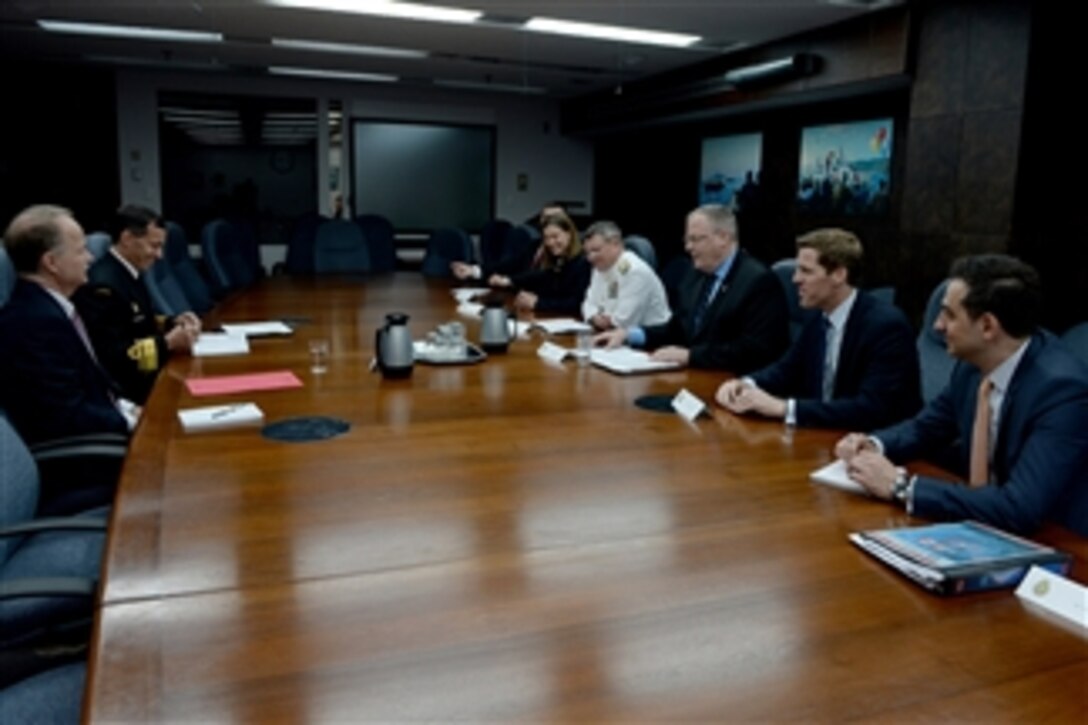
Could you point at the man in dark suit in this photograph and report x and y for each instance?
(1013, 418)
(731, 310)
(132, 343)
(853, 366)
(52, 386)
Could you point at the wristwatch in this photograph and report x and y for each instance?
(901, 487)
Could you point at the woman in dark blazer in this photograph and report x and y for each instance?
(559, 277)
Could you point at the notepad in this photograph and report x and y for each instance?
(466, 294)
(257, 329)
(625, 361)
(219, 416)
(834, 474)
(227, 384)
(215, 344)
(562, 326)
(470, 309)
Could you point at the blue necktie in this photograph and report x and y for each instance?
(827, 387)
(706, 297)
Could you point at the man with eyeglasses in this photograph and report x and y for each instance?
(731, 312)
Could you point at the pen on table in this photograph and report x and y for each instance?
(224, 411)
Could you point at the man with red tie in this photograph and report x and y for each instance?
(51, 385)
(1013, 419)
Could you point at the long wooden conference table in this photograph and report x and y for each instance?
(516, 541)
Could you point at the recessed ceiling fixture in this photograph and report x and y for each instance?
(342, 75)
(485, 86)
(348, 48)
(130, 31)
(611, 32)
(386, 8)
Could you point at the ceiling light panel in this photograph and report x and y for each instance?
(348, 48)
(386, 8)
(598, 31)
(132, 32)
(334, 74)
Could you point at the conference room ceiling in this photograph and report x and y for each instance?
(495, 53)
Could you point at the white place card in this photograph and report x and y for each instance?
(470, 309)
(688, 405)
(552, 352)
(1056, 594)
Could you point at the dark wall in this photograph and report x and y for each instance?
(60, 141)
(1050, 224)
(648, 180)
(977, 138)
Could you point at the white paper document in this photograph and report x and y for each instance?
(834, 474)
(465, 294)
(219, 416)
(552, 352)
(470, 309)
(625, 361)
(562, 326)
(213, 344)
(257, 329)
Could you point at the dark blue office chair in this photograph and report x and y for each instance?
(52, 696)
(340, 247)
(643, 247)
(887, 294)
(99, 243)
(443, 247)
(48, 566)
(381, 242)
(300, 248)
(519, 247)
(1076, 339)
(7, 276)
(784, 269)
(193, 284)
(165, 290)
(492, 242)
(933, 355)
(229, 261)
(672, 276)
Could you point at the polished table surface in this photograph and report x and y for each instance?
(516, 541)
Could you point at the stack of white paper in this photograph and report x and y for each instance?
(470, 309)
(257, 329)
(219, 416)
(212, 344)
(625, 361)
(465, 294)
(562, 326)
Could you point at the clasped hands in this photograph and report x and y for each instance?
(739, 396)
(184, 333)
(866, 464)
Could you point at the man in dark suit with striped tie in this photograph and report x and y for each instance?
(731, 312)
(854, 364)
(1012, 421)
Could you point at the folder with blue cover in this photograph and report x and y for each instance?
(953, 558)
